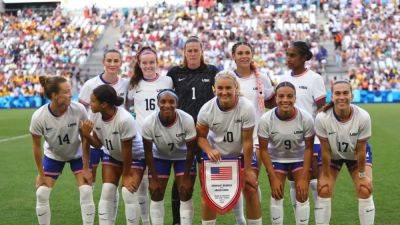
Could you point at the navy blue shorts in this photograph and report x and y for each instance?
(351, 164)
(136, 163)
(163, 167)
(53, 168)
(286, 167)
(96, 155)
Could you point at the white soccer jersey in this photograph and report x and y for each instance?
(61, 134)
(144, 96)
(121, 87)
(343, 137)
(309, 89)
(248, 88)
(286, 139)
(119, 128)
(226, 126)
(170, 141)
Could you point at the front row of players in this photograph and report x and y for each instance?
(285, 135)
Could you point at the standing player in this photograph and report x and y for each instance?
(114, 128)
(310, 96)
(343, 129)
(193, 82)
(112, 62)
(174, 135)
(286, 136)
(59, 122)
(230, 118)
(143, 89)
(258, 89)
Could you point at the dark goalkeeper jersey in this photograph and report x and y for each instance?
(194, 87)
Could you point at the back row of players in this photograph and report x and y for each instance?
(220, 113)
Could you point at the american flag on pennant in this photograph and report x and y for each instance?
(221, 173)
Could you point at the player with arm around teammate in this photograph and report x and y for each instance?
(143, 89)
(115, 128)
(58, 122)
(343, 129)
(229, 118)
(286, 135)
(173, 133)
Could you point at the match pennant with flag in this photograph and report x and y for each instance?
(221, 173)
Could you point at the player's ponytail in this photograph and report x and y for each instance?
(303, 48)
(51, 85)
(106, 93)
(331, 104)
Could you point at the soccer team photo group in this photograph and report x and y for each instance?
(200, 112)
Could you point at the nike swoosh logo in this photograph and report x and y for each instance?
(181, 79)
(42, 214)
(274, 132)
(158, 136)
(102, 214)
(370, 210)
(215, 124)
(303, 221)
(138, 91)
(273, 218)
(89, 214)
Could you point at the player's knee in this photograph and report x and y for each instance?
(129, 197)
(324, 192)
(108, 191)
(249, 191)
(157, 195)
(86, 193)
(43, 194)
(364, 192)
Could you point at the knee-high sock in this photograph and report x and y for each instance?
(106, 204)
(208, 222)
(323, 211)
(42, 205)
(239, 212)
(254, 222)
(276, 211)
(131, 207)
(313, 188)
(187, 212)
(143, 199)
(157, 212)
(293, 194)
(115, 205)
(87, 204)
(302, 212)
(366, 211)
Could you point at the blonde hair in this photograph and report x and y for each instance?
(226, 74)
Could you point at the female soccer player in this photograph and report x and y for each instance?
(143, 89)
(258, 89)
(286, 136)
(115, 128)
(174, 135)
(59, 122)
(230, 118)
(193, 82)
(310, 96)
(343, 129)
(112, 62)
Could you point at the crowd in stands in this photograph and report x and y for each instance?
(32, 45)
(369, 43)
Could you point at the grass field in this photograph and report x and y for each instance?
(17, 176)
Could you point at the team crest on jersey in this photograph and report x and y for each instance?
(298, 132)
(205, 80)
(222, 184)
(303, 87)
(48, 128)
(121, 94)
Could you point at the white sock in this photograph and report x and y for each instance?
(157, 212)
(366, 211)
(239, 212)
(323, 211)
(42, 205)
(302, 212)
(254, 222)
(313, 188)
(208, 222)
(131, 207)
(87, 204)
(276, 211)
(142, 195)
(106, 204)
(293, 195)
(115, 206)
(186, 211)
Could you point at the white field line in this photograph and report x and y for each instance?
(13, 138)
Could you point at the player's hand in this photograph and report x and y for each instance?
(276, 188)
(364, 183)
(186, 186)
(302, 189)
(155, 187)
(128, 183)
(214, 155)
(86, 127)
(87, 176)
(43, 181)
(250, 179)
(324, 182)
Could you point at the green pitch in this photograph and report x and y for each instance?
(18, 171)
